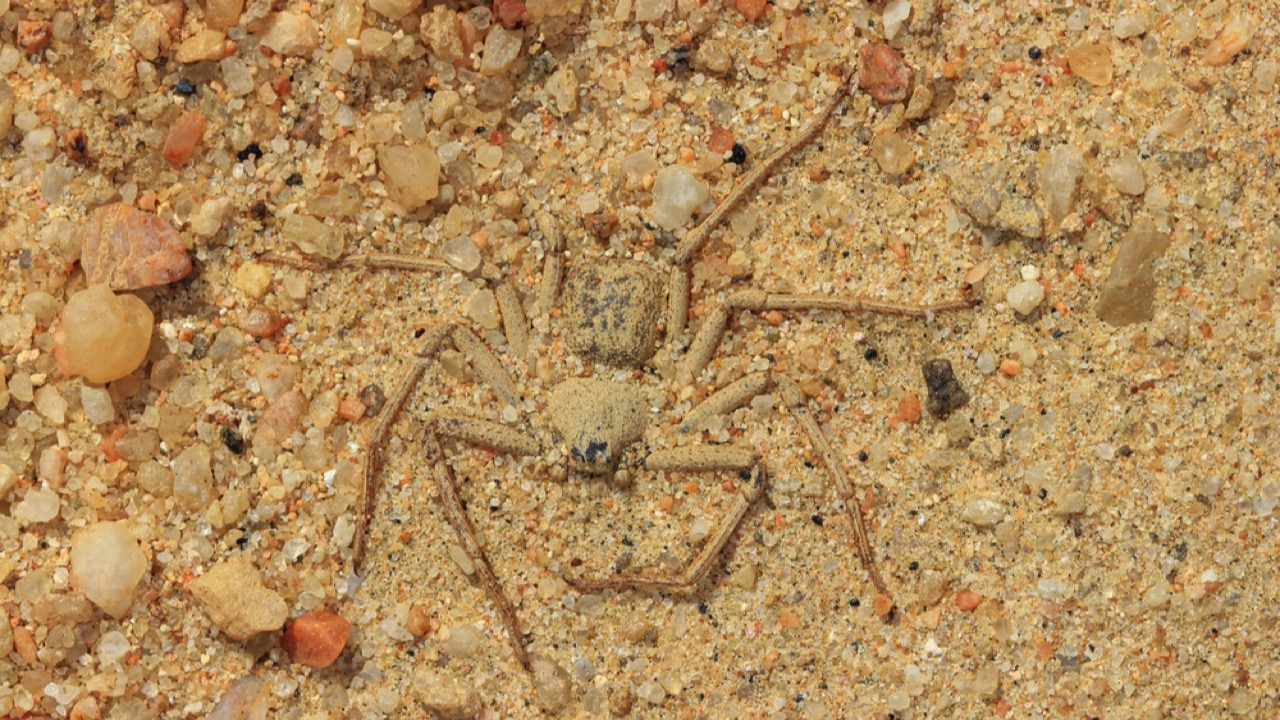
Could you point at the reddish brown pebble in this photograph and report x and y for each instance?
(33, 35)
(510, 13)
(721, 139)
(419, 621)
(883, 605)
(76, 146)
(884, 74)
(750, 9)
(128, 249)
(261, 322)
(909, 409)
(350, 409)
(317, 638)
(968, 600)
(186, 133)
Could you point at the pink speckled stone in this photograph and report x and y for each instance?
(128, 249)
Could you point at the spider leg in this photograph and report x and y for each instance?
(704, 344)
(499, 437)
(678, 286)
(727, 400)
(514, 324)
(697, 458)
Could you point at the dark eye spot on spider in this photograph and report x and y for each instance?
(744, 474)
(184, 88)
(870, 354)
(862, 456)
(817, 519)
(294, 180)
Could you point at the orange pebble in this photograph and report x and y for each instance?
(909, 409)
(317, 638)
(884, 605)
(350, 409)
(186, 133)
(968, 600)
(751, 9)
(789, 620)
(1010, 367)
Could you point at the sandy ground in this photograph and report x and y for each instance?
(1106, 497)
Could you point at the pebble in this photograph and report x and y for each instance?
(652, 10)
(316, 638)
(1127, 176)
(34, 35)
(968, 600)
(105, 336)
(713, 56)
(222, 14)
(313, 237)
(1058, 177)
(895, 14)
(8, 480)
(292, 35)
(946, 394)
(983, 512)
(128, 249)
(551, 684)
(97, 405)
(233, 596)
(676, 194)
(411, 173)
(393, 9)
(282, 416)
(501, 48)
(208, 44)
(651, 692)
(892, 153)
(1128, 293)
(462, 253)
(1092, 62)
(39, 505)
(6, 633)
(111, 648)
(259, 322)
(1025, 297)
(193, 477)
(751, 9)
(884, 74)
(462, 641)
(107, 564)
(186, 132)
(247, 699)
(1129, 25)
(445, 694)
(1230, 41)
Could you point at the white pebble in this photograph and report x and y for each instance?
(983, 512)
(1025, 296)
(111, 648)
(676, 194)
(107, 565)
(461, 253)
(97, 405)
(39, 505)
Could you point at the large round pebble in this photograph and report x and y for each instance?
(106, 565)
(450, 697)
(129, 249)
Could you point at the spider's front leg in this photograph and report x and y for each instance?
(696, 458)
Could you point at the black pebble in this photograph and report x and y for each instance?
(1034, 53)
(945, 392)
(184, 88)
(738, 155)
(250, 150)
(232, 439)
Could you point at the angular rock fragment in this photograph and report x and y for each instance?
(1128, 294)
(129, 249)
(946, 394)
(233, 596)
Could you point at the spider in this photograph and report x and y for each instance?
(612, 318)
